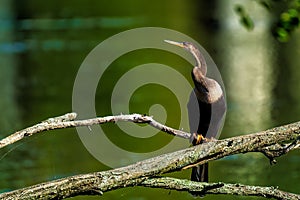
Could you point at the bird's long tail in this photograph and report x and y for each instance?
(199, 174)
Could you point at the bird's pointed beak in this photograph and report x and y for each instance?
(180, 44)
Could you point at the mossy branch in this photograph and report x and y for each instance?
(272, 143)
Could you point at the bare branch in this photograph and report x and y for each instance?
(277, 150)
(217, 188)
(273, 143)
(134, 174)
(66, 121)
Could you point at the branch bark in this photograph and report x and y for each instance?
(272, 143)
(67, 121)
(218, 188)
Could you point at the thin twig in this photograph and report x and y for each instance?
(67, 121)
(277, 150)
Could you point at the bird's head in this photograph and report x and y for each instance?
(190, 47)
(186, 45)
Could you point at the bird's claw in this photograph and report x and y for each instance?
(197, 139)
(200, 139)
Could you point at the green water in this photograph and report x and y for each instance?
(42, 46)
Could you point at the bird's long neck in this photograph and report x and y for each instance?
(200, 61)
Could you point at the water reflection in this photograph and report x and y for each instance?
(41, 52)
(77, 23)
(249, 68)
(287, 95)
(9, 118)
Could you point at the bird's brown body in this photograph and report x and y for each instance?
(206, 107)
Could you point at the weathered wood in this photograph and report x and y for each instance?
(218, 188)
(99, 182)
(67, 121)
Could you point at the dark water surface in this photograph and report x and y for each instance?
(43, 43)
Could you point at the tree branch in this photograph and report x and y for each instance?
(99, 182)
(67, 121)
(217, 188)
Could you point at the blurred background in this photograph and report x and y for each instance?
(254, 43)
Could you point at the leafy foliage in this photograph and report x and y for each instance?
(286, 19)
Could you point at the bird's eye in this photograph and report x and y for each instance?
(186, 44)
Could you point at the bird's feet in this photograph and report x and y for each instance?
(199, 138)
